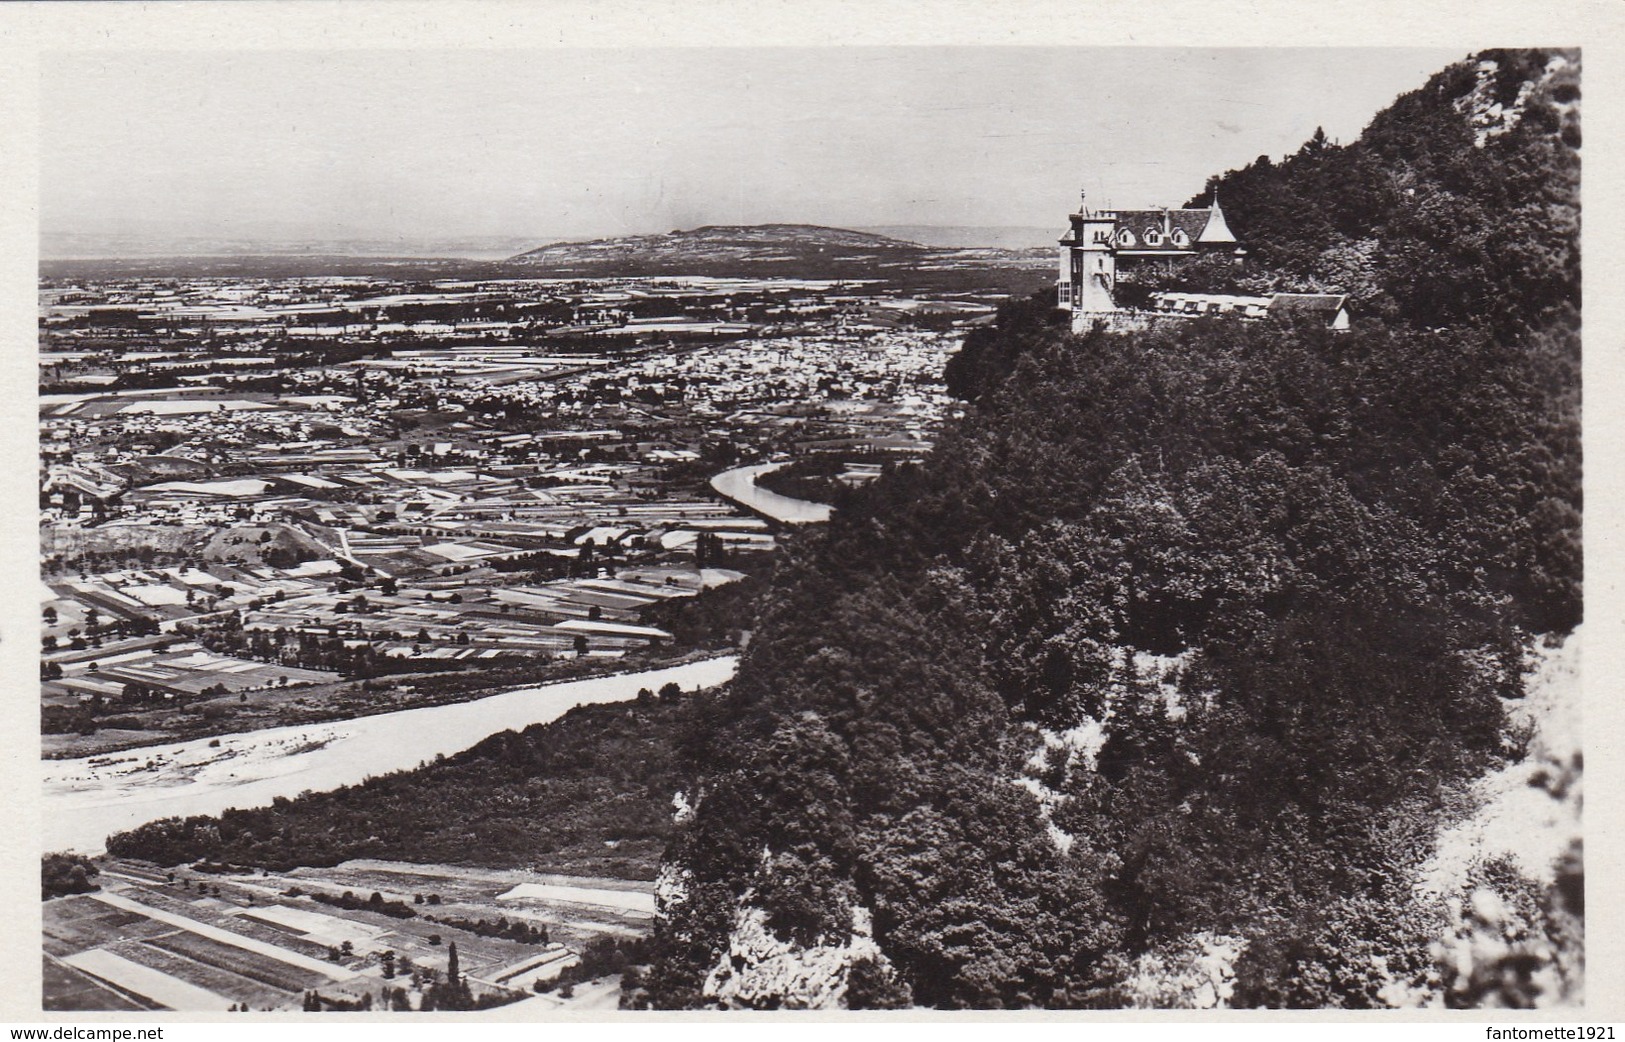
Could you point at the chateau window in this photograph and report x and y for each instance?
(1153, 237)
(1180, 238)
(1125, 238)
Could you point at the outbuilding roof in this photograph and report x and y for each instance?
(1312, 303)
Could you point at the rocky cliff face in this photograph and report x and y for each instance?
(761, 971)
(1198, 973)
(1509, 878)
(1494, 107)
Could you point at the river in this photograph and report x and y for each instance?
(88, 799)
(739, 486)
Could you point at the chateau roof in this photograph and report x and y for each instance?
(1191, 222)
(1202, 226)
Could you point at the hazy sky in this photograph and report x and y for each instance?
(604, 142)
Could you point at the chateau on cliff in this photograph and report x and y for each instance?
(1100, 243)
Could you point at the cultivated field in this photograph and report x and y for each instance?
(186, 940)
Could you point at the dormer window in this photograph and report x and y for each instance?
(1153, 237)
(1180, 239)
(1125, 238)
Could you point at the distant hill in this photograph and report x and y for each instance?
(807, 250)
(734, 246)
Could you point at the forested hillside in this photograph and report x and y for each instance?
(589, 793)
(1182, 641)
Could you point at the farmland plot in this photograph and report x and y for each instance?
(253, 965)
(76, 923)
(222, 982)
(259, 931)
(67, 989)
(629, 901)
(237, 940)
(147, 982)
